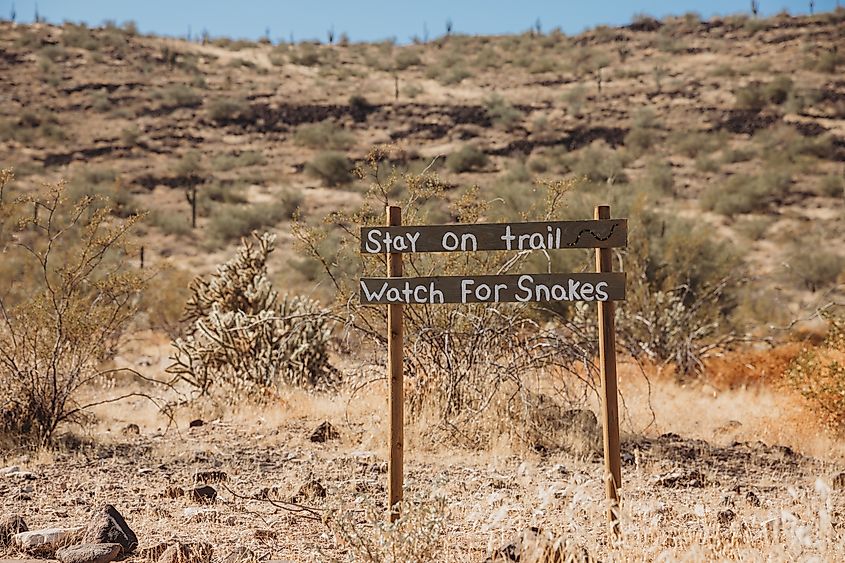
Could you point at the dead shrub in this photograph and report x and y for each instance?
(818, 373)
(742, 368)
(68, 296)
(471, 368)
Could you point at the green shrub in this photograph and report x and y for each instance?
(746, 194)
(190, 164)
(406, 58)
(467, 158)
(305, 54)
(601, 164)
(324, 135)
(225, 162)
(178, 95)
(230, 223)
(691, 144)
(228, 109)
(832, 185)
(813, 265)
(501, 112)
(223, 191)
(171, 222)
(756, 96)
(659, 177)
(332, 168)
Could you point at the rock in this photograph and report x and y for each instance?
(677, 479)
(9, 526)
(240, 555)
(324, 433)
(196, 423)
(131, 430)
(108, 526)
(752, 499)
(47, 540)
(9, 470)
(726, 516)
(89, 553)
(309, 490)
(838, 481)
(205, 494)
(187, 553)
(210, 477)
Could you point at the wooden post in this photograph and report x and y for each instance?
(610, 408)
(142, 257)
(395, 362)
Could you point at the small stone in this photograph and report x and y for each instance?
(131, 430)
(9, 526)
(187, 553)
(681, 479)
(310, 490)
(838, 481)
(47, 540)
(752, 499)
(202, 494)
(89, 553)
(726, 516)
(109, 526)
(196, 423)
(324, 433)
(210, 477)
(9, 470)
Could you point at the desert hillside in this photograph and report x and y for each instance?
(735, 124)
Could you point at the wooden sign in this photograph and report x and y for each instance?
(525, 288)
(604, 287)
(610, 233)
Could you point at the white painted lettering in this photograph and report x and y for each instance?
(508, 237)
(521, 284)
(465, 288)
(373, 244)
(450, 241)
(601, 294)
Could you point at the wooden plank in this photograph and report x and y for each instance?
(552, 235)
(395, 365)
(522, 288)
(610, 409)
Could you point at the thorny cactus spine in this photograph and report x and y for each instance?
(242, 338)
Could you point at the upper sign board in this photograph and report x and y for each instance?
(554, 235)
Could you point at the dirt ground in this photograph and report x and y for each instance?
(707, 475)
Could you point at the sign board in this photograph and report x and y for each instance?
(604, 287)
(525, 288)
(555, 235)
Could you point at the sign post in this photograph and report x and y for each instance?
(395, 361)
(604, 286)
(609, 407)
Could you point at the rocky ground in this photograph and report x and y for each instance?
(261, 485)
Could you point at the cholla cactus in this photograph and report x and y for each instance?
(242, 338)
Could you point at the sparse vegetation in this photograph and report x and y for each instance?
(332, 168)
(324, 135)
(233, 222)
(466, 159)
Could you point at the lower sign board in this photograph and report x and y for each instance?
(519, 288)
